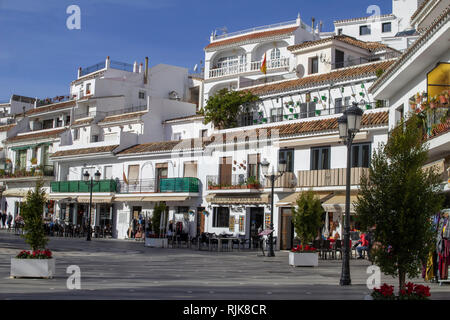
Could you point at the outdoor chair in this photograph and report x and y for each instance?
(325, 249)
(337, 248)
(214, 242)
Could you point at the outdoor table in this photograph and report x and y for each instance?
(229, 239)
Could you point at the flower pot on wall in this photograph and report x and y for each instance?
(303, 259)
(32, 268)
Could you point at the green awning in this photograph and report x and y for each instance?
(22, 147)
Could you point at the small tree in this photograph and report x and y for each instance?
(223, 108)
(31, 211)
(156, 217)
(307, 216)
(399, 198)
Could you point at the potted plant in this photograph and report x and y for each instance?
(306, 217)
(318, 112)
(38, 263)
(156, 240)
(252, 183)
(33, 161)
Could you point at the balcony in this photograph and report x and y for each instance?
(281, 63)
(108, 185)
(29, 173)
(234, 181)
(173, 185)
(57, 99)
(287, 180)
(329, 177)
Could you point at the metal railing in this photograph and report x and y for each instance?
(362, 60)
(87, 114)
(315, 112)
(57, 99)
(248, 67)
(234, 181)
(93, 68)
(126, 110)
(186, 184)
(231, 34)
(28, 171)
(121, 66)
(107, 185)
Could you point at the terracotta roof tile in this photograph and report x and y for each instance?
(37, 135)
(125, 116)
(84, 151)
(440, 129)
(161, 146)
(419, 8)
(248, 37)
(194, 116)
(340, 74)
(7, 127)
(367, 45)
(82, 121)
(51, 107)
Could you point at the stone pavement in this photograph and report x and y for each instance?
(115, 269)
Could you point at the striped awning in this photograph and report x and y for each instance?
(96, 199)
(238, 199)
(292, 198)
(337, 203)
(168, 198)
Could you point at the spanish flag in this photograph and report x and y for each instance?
(264, 65)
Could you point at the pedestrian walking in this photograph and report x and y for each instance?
(9, 221)
(3, 220)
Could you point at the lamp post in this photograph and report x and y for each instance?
(86, 179)
(281, 170)
(349, 125)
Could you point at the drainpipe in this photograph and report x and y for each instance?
(146, 71)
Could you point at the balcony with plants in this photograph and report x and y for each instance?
(233, 182)
(31, 172)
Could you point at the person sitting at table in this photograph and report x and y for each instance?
(363, 244)
(336, 236)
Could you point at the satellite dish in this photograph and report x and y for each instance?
(195, 68)
(300, 71)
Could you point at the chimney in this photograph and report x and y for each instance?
(135, 67)
(298, 19)
(320, 25)
(107, 62)
(146, 71)
(140, 68)
(312, 24)
(36, 101)
(79, 72)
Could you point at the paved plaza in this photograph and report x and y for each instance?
(116, 269)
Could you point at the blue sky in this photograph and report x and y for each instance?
(39, 56)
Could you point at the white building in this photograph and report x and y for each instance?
(393, 29)
(424, 68)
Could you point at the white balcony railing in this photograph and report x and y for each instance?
(249, 67)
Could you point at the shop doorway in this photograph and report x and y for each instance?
(81, 214)
(200, 220)
(256, 222)
(134, 223)
(287, 229)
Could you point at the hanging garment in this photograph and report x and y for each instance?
(429, 270)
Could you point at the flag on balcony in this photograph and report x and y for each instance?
(264, 65)
(124, 176)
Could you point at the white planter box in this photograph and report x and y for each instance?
(33, 268)
(303, 259)
(156, 242)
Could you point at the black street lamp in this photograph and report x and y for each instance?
(349, 125)
(86, 179)
(281, 170)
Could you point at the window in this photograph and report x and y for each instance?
(76, 133)
(59, 122)
(107, 172)
(339, 59)
(364, 30)
(276, 114)
(221, 217)
(204, 133)
(386, 27)
(67, 120)
(47, 124)
(88, 88)
(288, 156)
(338, 105)
(400, 113)
(247, 119)
(176, 136)
(94, 138)
(275, 54)
(141, 95)
(190, 169)
(253, 165)
(346, 102)
(320, 158)
(360, 155)
(22, 157)
(339, 31)
(133, 173)
(314, 65)
(183, 210)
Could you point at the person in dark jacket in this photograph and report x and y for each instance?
(4, 220)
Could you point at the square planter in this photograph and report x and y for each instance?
(303, 259)
(32, 268)
(156, 242)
